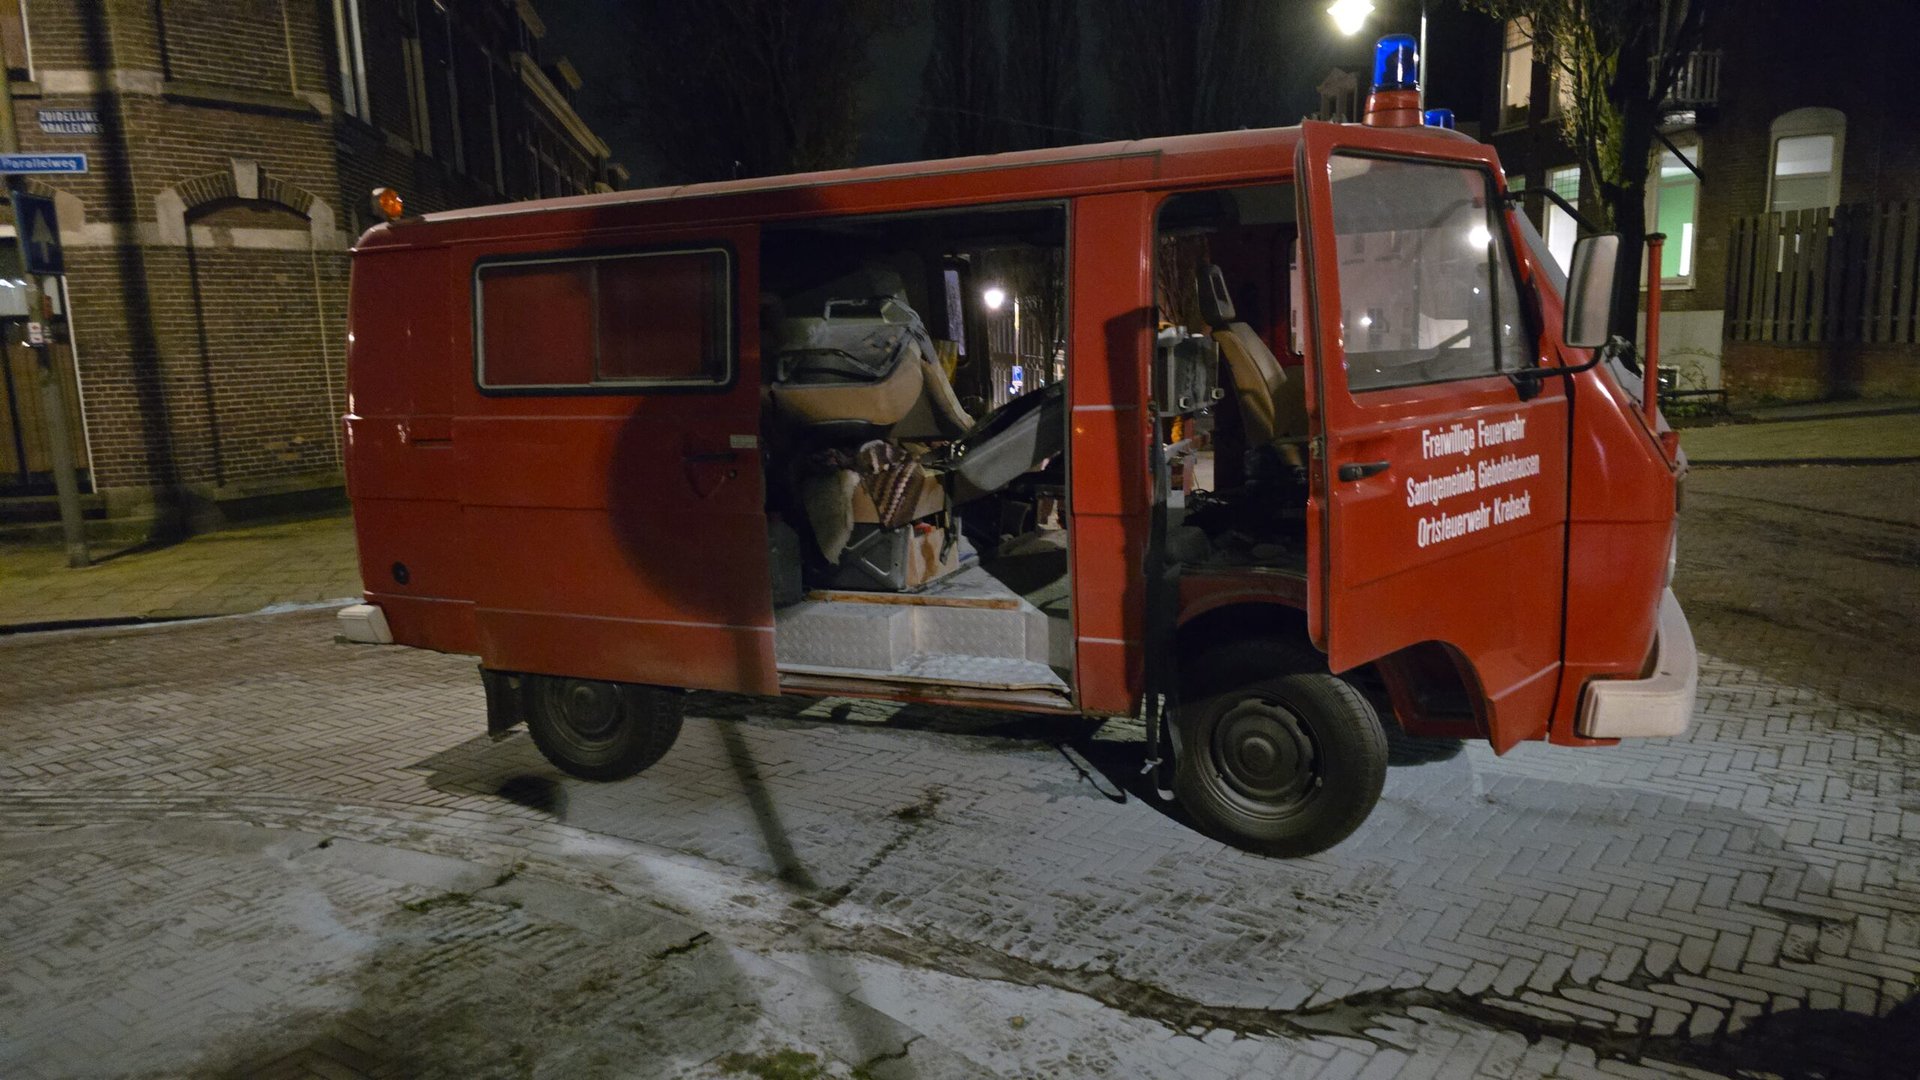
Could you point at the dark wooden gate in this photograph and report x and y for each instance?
(26, 456)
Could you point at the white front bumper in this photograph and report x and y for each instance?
(1660, 704)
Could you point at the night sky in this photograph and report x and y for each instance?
(1461, 48)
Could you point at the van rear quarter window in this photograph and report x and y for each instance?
(621, 321)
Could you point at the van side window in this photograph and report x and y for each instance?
(660, 318)
(1427, 290)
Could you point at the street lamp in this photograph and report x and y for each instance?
(1350, 15)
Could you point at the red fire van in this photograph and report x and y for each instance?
(1231, 426)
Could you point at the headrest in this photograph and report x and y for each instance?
(1216, 305)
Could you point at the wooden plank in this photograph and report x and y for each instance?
(996, 603)
(1904, 316)
(1793, 286)
(1769, 301)
(1822, 272)
(1739, 251)
(1869, 270)
(1851, 241)
(1886, 270)
(11, 466)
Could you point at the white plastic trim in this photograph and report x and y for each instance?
(1662, 703)
(366, 624)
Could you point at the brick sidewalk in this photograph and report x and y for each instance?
(220, 573)
(238, 846)
(1820, 438)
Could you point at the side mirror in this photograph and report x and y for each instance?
(1590, 291)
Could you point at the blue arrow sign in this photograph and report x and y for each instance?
(15, 164)
(39, 233)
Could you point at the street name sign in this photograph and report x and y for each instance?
(70, 121)
(39, 233)
(18, 164)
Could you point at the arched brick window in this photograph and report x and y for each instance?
(1804, 164)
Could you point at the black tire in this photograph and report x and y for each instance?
(1273, 754)
(601, 730)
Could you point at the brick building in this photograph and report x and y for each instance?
(1791, 255)
(232, 148)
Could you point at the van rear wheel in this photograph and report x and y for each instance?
(1272, 755)
(601, 730)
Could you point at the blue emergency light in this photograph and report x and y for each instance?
(1396, 63)
(1440, 118)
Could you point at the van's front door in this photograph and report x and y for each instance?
(1440, 499)
(613, 494)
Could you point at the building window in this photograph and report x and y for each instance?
(1807, 144)
(493, 123)
(439, 90)
(415, 63)
(15, 41)
(1673, 206)
(1562, 93)
(1516, 73)
(661, 318)
(353, 59)
(1561, 230)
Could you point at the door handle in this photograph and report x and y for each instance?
(1360, 470)
(720, 455)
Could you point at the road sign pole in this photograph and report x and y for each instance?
(53, 398)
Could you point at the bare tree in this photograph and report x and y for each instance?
(961, 99)
(1175, 68)
(1043, 73)
(1620, 60)
(724, 88)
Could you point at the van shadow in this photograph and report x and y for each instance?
(1108, 755)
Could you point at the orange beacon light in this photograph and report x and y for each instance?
(387, 203)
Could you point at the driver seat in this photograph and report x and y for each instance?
(1273, 408)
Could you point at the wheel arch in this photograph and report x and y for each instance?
(1229, 619)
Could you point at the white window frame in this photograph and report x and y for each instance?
(1813, 120)
(415, 64)
(493, 122)
(1685, 279)
(26, 37)
(353, 59)
(1553, 219)
(1508, 53)
(453, 88)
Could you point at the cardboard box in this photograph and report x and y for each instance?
(932, 500)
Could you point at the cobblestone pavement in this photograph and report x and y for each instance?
(220, 573)
(240, 848)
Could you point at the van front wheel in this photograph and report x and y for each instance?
(601, 730)
(1272, 755)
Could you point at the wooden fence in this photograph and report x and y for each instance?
(1847, 274)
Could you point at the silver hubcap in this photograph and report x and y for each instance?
(1265, 754)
